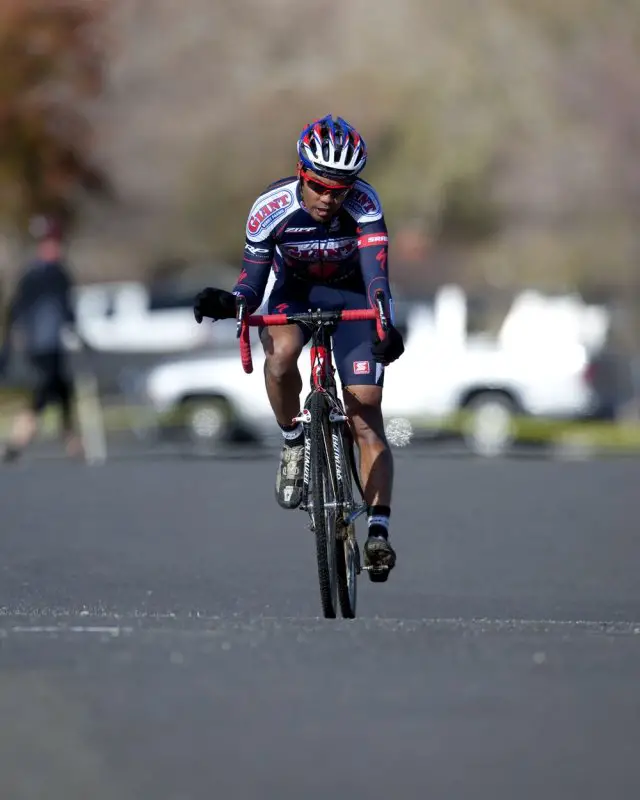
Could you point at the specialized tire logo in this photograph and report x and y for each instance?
(272, 210)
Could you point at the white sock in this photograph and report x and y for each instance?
(295, 433)
(379, 520)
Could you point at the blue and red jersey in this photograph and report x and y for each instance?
(348, 252)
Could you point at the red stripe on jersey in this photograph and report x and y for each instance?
(373, 240)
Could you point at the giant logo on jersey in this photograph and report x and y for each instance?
(363, 200)
(329, 250)
(268, 213)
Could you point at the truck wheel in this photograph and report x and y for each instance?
(489, 424)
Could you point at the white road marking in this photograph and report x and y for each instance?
(111, 630)
(57, 621)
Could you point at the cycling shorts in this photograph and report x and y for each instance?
(351, 341)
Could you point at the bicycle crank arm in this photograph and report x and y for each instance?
(353, 516)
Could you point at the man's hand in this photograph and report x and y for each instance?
(388, 349)
(214, 303)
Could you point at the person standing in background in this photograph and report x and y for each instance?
(40, 309)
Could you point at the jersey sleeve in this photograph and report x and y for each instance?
(256, 265)
(373, 242)
(259, 246)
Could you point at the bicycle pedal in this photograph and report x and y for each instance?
(378, 574)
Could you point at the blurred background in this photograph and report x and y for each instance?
(505, 145)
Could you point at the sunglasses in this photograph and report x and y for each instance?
(318, 187)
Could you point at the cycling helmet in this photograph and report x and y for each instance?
(332, 148)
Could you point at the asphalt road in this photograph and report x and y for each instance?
(160, 637)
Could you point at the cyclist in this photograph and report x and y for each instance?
(323, 233)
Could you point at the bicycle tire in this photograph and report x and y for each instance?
(347, 552)
(322, 494)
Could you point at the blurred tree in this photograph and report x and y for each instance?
(51, 66)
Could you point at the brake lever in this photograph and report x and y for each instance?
(384, 322)
(241, 311)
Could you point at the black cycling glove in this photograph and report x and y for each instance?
(214, 303)
(388, 349)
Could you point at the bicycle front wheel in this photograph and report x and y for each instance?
(323, 502)
(347, 552)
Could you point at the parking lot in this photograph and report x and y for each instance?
(161, 634)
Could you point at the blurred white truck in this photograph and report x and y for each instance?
(539, 366)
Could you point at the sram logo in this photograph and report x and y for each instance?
(373, 239)
(268, 213)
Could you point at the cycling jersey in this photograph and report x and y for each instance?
(348, 252)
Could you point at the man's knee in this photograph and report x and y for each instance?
(282, 347)
(363, 405)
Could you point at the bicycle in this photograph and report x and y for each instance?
(330, 469)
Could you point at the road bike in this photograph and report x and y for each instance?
(330, 469)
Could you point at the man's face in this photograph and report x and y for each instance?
(322, 197)
(50, 249)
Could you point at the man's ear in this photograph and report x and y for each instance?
(299, 169)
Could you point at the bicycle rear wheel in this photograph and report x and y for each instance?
(323, 502)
